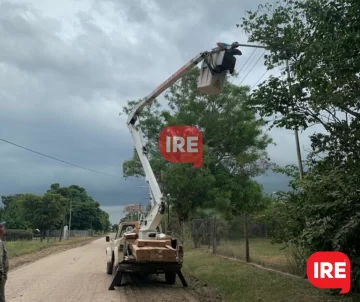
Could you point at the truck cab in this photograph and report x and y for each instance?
(115, 249)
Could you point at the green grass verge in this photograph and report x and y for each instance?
(18, 248)
(261, 252)
(238, 281)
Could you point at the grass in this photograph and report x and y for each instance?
(238, 281)
(261, 252)
(18, 248)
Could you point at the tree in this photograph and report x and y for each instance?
(43, 212)
(13, 212)
(297, 32)
(234, 145)
(321, 211)
(86, 212)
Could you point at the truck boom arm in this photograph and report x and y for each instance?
(153, 218)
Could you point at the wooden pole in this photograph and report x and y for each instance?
(246, 236)
(297, 143)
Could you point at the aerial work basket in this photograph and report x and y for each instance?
(213, 72)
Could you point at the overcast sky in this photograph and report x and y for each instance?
(67, 68)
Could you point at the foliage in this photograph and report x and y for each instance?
(321, 210)
(15, 235)
(234, 149)
(86, 213)
(43, 212)
(51, 210)
(12, 212)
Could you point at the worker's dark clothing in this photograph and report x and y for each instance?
(229, 60)
(4, 268)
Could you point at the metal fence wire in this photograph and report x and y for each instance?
(203, 233)
(217, 234)
(247, 238)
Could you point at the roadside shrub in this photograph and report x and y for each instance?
(296, 260)
(15, 235)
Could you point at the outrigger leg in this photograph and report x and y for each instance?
(117, 279)
(182, 278)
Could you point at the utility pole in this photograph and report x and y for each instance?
(297, 143)
(70, 218)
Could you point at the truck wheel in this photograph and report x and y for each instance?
(170, 277)
(109, 268)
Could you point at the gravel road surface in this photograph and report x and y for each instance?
(79, 274)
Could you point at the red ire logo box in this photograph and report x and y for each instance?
(181, 144)
(329, 270)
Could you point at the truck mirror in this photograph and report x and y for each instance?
(107, 238)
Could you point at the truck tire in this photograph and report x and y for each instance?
(170, 277)
(109, 266)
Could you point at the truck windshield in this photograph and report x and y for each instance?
(123, 229)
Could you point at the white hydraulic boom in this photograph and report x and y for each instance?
(213, 72)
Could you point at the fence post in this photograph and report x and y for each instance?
(209, 233)
(246, 236)
(214, 235)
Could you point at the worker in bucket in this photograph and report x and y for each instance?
(231, 49)
(229, 60)
(4, 262)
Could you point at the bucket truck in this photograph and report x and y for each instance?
(138, 251)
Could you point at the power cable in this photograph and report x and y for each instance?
(53, 158)
(249, 64)
(242, 67)
(252, 67)
(266, 71)
(255, 49)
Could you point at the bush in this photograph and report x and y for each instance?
(15, 235)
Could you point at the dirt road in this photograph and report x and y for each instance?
(79, 274)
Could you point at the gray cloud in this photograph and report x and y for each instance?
(67, 70)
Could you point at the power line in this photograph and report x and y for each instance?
(266, 71)
(252, 67)
(53, 158)
(249, 64)
(242, 67)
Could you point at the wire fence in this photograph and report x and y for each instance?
(246, 239)
(54, 235)
(73, 233)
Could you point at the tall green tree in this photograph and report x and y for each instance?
(13, 212)
(86, 212)
(44, 212)
(233, 140)
(319, 39)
